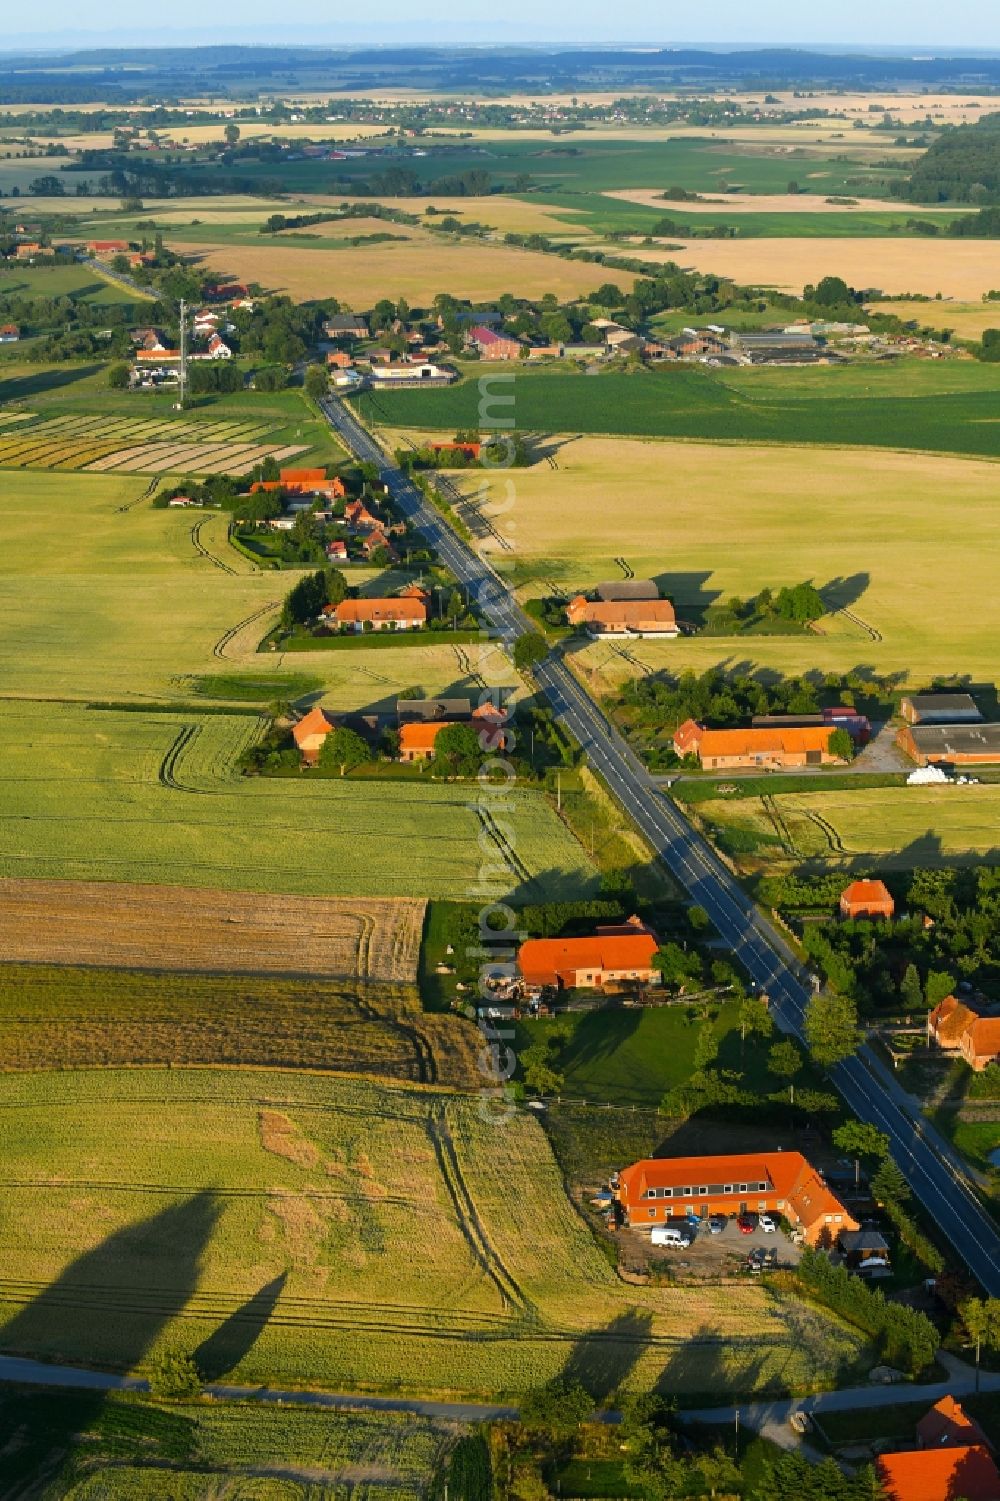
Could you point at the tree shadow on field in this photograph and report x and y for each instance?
(223, 1350)
(702, 1371)
(842, 593)
(603, 1361)
(39, 382)
(105, 1311)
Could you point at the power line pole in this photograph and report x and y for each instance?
(182, 381)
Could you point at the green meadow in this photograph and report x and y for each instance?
(951, 408)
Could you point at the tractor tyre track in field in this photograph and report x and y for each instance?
(467, 1216)
(219, 649)
(507, 853)
(862, 625)
(167, 773)
(129, 504)
(779, 825)
(203, 551)
(830, 834)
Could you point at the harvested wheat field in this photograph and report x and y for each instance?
(963, 269)
(966, 319)
(418, 270)
(155, 927)
(508, 214)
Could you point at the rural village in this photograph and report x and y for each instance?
(499, 830)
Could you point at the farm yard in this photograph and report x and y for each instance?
(900, 828)
(54, 1017)
(138, 445)
(163, 928)
(878, 552)
(105, 795)
(390, 1235)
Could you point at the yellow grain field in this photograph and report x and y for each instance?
(966, 319)
(963, 269)
(712, 521)
(417, 270)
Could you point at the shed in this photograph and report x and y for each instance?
(940, 708)
(617, 590)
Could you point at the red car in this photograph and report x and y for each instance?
(747, 1223)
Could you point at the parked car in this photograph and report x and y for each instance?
(768, 1224)
(670, 1235)
(717, 1224)
(747, 1223)
(800, 1421)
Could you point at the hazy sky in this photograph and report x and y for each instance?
(856, 23)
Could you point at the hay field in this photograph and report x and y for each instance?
(963, 269)
(897, 828)
(82, 1016)
(501, 210)
(874, 531)
(397, 1237)
(418, 270)
(156, 927)
(106, 795)
(966, 319)
(754, 203)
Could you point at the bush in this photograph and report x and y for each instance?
(174, 1374)
(906, 1338)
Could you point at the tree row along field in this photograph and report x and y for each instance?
(88, 794)
(171, 928)
(871, 406)
(398, 1236)
(71, 1017)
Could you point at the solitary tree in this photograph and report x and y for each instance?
(888, 1184)
(316, 382)
(530, 650)
(859, 1139)
(831, 1027)
(457, 750)
(174, 1374)
(118, 376)
(557, 1409)
(231, 133)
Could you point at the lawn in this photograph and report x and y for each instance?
(62, 280)
(871, 536)
(908, 405)
(155, 797)
(896, 828)
(342, 1233)
(184, 1451)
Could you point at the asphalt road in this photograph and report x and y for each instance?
(931, 1166)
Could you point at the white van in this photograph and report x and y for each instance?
(669, 1235)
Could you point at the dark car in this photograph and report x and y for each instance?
(747, 1223)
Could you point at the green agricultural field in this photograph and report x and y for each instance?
(894, 828)
(104, 597)
(341, 1233)
(907, 405)
(185, 1451)
(62, 280)
(108, 795)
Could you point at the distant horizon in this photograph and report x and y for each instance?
(243, 37)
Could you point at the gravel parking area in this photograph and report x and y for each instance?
(708, 1255)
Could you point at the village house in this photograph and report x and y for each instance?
(358, 517)
(867, 899)
(491, 345)
(947, 1426)
(416, 739)
(346, 326)
(470, 450)
(858, 726)
(403, 374)
(765, 750)
(310, 734)
(339, 359)
(9, 333)
(378, 614)
(940, 708)
(951, 744)
(336, 551)
(303, 482)
(616, 591)
(627, 617)
(781, 1183)
(965, 1471)
(217, 348)
(956, 1027)
(156, 356)
(102, 248)
(612, 956)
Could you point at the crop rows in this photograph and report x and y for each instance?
(140, 445)
(410, 1239)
